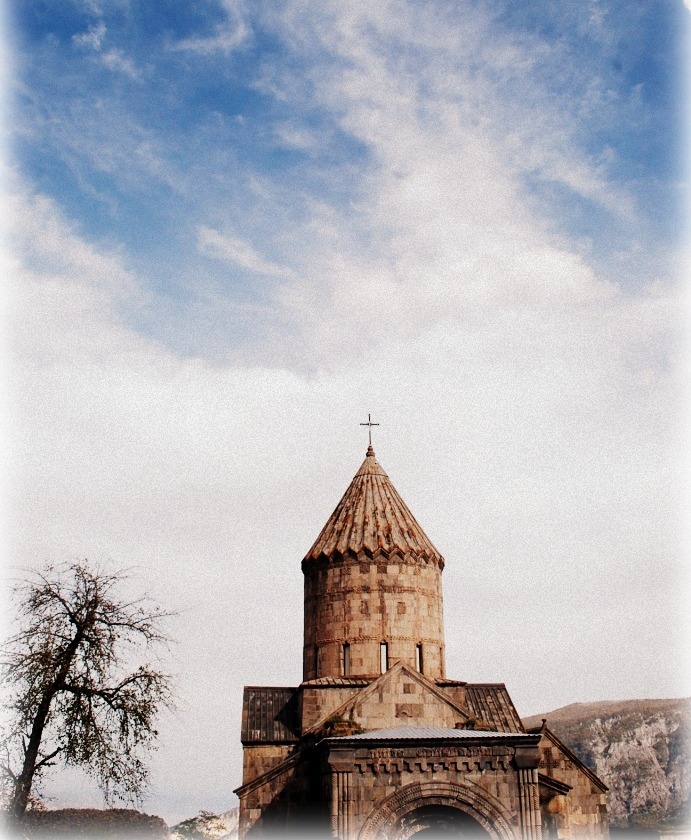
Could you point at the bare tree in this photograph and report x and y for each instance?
(73, 700)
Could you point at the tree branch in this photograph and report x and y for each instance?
(45, 761)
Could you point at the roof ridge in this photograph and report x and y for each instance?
(415, 733)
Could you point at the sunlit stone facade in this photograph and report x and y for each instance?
(376, 743)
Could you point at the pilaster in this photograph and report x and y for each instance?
(529, 798)
(341, 768)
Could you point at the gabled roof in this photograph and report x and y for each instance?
(545, 732)
(370, 519)
(370, 694)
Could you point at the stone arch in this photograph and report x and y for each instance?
(467, 797)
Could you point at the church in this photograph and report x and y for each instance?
(377, 743)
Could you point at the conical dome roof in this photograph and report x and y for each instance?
(371, 517)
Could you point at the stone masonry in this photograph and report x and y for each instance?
(376, 743)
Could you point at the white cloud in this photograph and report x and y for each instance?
(92, 38)
(296, 137)
(412, 85)
(226, 37)
(441, 227)
(114, 59)
(117, 60)
(235, 250)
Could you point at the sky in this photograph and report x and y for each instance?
(234, 229)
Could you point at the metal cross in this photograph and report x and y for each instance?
(370, 424)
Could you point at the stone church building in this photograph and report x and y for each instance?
(377, 743)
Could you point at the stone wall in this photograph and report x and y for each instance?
(291, 798)
(580, 813)
(366, 602)
(318, 702)
(385, 784)
(258, 759)
(363, 790)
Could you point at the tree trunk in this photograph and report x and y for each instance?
(22, 785)
(24, 781)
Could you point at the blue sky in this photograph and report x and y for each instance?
(236, 228)
(149, 123)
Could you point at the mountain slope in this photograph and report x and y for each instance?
(641, 749)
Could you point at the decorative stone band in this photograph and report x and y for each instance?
(364, 557)
(328, 640)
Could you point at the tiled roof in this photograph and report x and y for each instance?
(269, 715)
(425, 733)
(490, 703)
(371, 517)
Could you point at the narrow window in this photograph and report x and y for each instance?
(346, 659)
(383, 657)
(418, 657)
(317, 657)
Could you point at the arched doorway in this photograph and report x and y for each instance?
(425, 810)
(437, 821)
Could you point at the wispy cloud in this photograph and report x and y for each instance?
(440, 227)
(226, 36)
(297, 137)
(63, 251)
(114, 59)
(236, 250)
(92, 38)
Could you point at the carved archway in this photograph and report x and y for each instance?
(438, 821)
(395, 818)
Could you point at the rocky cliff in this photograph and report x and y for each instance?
(207, 826)
(641, 749)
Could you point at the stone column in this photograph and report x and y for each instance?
(527, 759)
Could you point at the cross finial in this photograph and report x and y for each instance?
(370, 424)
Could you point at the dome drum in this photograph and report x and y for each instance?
(372, 586)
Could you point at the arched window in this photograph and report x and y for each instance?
(346, 659)
(418, 658)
